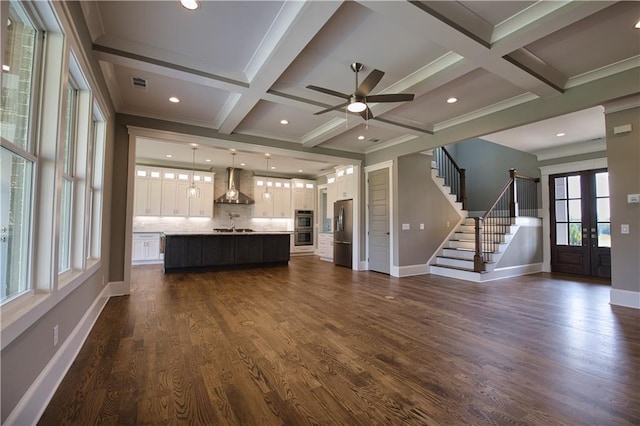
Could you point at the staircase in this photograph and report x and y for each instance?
(456, 257)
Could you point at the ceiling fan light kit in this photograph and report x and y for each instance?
(357, 102)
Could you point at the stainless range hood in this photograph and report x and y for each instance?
(233, 175)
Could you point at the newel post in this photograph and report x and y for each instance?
(478, 261)
(513, 194)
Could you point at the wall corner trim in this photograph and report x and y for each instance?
(33, 403)
(626, 298)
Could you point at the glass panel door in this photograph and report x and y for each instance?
(580, 223)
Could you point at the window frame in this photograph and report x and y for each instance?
(29, 152)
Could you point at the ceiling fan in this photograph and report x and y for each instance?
(357, 101)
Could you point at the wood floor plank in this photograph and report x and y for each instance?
(311, 343)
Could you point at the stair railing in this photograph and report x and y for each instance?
(519, 197)
(454, 176)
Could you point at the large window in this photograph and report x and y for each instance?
(51, 158)
(17, 160)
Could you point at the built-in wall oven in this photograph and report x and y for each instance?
(303, 229)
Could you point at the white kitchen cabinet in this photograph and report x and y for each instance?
(325, 246)
(282, 199)
(332, 195)
(304, 194)
(146, 247)
(148, 192)
(203, 205)
(278, 205)
(345, 182)
(174, 193)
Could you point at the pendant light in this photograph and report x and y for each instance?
(266, 195)
(232, 192)
(192, 190)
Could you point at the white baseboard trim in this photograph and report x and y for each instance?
(513, 271)
(35, 400)
(411, 270)
(117, 288)
(626, 298)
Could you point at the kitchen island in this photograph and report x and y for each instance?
(203, 251)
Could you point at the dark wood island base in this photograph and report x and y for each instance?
(209, 252)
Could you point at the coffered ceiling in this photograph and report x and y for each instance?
(240, 67)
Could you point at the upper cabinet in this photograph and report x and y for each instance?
(175, 184)
(272, 197)
(164, 192)
(148, 192)
(304, 194)
(202, 206)
(345, 182)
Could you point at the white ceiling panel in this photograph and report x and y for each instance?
(198, 104)
(475, 90)
(265, 119)
(593, 42)
(221, 36)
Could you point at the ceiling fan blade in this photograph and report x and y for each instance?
(370, 82)
(391, 97)
(328, 91)
(366, 114)
(333, 108)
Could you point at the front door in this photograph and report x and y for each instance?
(580, 223)
(379, 249)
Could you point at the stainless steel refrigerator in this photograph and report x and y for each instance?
(342, 232)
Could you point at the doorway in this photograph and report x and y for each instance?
(580, 223)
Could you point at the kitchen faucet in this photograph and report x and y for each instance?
(233, 216)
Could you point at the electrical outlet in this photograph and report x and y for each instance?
(55, 335)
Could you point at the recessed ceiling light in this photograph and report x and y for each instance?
(233, 150)
(273, 167)
(174, 100)
(6, 68)
(189, 4)
(208, 160)
(193, 144)
(169, 156)
(361, 138)
(560, 134)
(242, 164)
(452, 100)
(285, 122)
(300, 171)
(637, 25)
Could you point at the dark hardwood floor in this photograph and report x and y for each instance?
(312, 343)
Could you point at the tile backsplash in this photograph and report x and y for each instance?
(243, 219)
